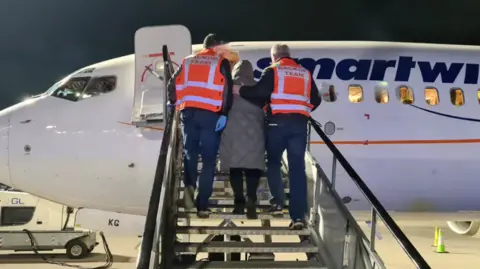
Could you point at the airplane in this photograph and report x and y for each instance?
(403, 114)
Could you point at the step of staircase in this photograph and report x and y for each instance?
(252, 265)
(243, 247)
(240, 230)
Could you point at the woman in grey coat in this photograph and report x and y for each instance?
(242, 148)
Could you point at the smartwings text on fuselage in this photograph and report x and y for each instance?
(375, 70)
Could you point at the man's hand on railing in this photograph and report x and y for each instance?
(318, 123)
(170, 107)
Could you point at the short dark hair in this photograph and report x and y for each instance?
(212, 40)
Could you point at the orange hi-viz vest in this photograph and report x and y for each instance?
(292, 87)
(200, 83)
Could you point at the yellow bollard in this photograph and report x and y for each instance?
(440, 243)
(435, 239)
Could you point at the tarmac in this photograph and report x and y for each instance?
(463, 252)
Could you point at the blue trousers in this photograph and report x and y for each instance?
(288, 133)
(200, 138)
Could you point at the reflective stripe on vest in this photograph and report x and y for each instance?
(288, 108)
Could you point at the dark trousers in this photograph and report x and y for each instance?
(288, 133)
(200, 138)
(252, 178)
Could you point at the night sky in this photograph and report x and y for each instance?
(44, 40)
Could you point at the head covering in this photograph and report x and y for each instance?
(242, 73)
(212, 40)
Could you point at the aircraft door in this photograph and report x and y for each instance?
(4, 131)
(150, 93)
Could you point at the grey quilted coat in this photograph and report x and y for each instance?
(243, 142)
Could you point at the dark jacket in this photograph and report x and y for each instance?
(226, 71)
(243, 142)
(262, 91)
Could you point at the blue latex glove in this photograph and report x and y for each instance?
(221, 122)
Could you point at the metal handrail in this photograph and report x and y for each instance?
(377, 207)
(164, 254)
(151, 219)
(167, 233)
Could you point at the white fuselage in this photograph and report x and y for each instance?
(85, 154)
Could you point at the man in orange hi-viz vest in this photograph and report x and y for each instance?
(202, 91)
(291, 94)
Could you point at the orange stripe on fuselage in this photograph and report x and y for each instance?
(155, 55)
(369, 142)
(147, 127)
(402, 142)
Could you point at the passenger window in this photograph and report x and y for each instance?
(431, 96)
(355, 93)
(72, 89)
(16, 215)
(405, 94)
(456, 96)
(328, 93)
(100, 85)
(381, 93)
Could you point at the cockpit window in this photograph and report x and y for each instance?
(71, 89)
(55, 86)
(77, 88)
(100, 85)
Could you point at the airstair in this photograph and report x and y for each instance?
(175, 238)
(231, 237)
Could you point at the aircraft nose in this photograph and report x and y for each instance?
(4, 133)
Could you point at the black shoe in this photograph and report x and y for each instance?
(276, 210)
(297, 224)
(251, 210)
(238, 209)
(203, 213)
(188, 201)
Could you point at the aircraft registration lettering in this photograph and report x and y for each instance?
(369, 69)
